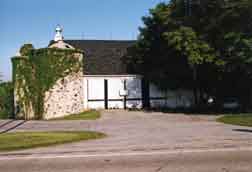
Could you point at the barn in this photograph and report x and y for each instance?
(102, 83)
(108, 84)
(105, 77)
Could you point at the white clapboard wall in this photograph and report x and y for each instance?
(94, 93)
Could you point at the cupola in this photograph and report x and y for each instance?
(58, 36)
(59, 40)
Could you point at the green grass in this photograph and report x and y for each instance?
(87, 115)
(242, 119)
(25, 140)
(3, 115)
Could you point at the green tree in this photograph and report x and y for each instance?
(186, 42)
(237, 53)
(1, 76)
(198, 54)
(198, 45)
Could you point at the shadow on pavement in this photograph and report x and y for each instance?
(12, 128)
(243, 130)
(6, 123)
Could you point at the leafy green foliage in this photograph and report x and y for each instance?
(186, 42)
(6, 100)
(238, 49)
(26, 49)
(38, 72)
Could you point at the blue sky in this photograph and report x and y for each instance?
(33, 21)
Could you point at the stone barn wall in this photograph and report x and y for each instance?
(66, 97)
(48, 83)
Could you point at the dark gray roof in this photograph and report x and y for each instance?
(103, 57)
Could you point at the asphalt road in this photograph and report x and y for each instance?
(201, 161)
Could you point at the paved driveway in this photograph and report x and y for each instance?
(140, 131)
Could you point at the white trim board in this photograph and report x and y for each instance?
(140, 76)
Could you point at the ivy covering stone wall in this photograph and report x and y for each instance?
(35, 72)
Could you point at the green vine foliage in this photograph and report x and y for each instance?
(37, 72)
(26, 49)
(6, 100)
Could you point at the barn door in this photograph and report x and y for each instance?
(145, 93)
(106, 94)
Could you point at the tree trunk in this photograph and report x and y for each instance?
(195, 87)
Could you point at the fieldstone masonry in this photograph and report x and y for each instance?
(66, 97)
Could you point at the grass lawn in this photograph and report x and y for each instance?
(3, 115)
(25, 140)
(242, 119)
(87, 115)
